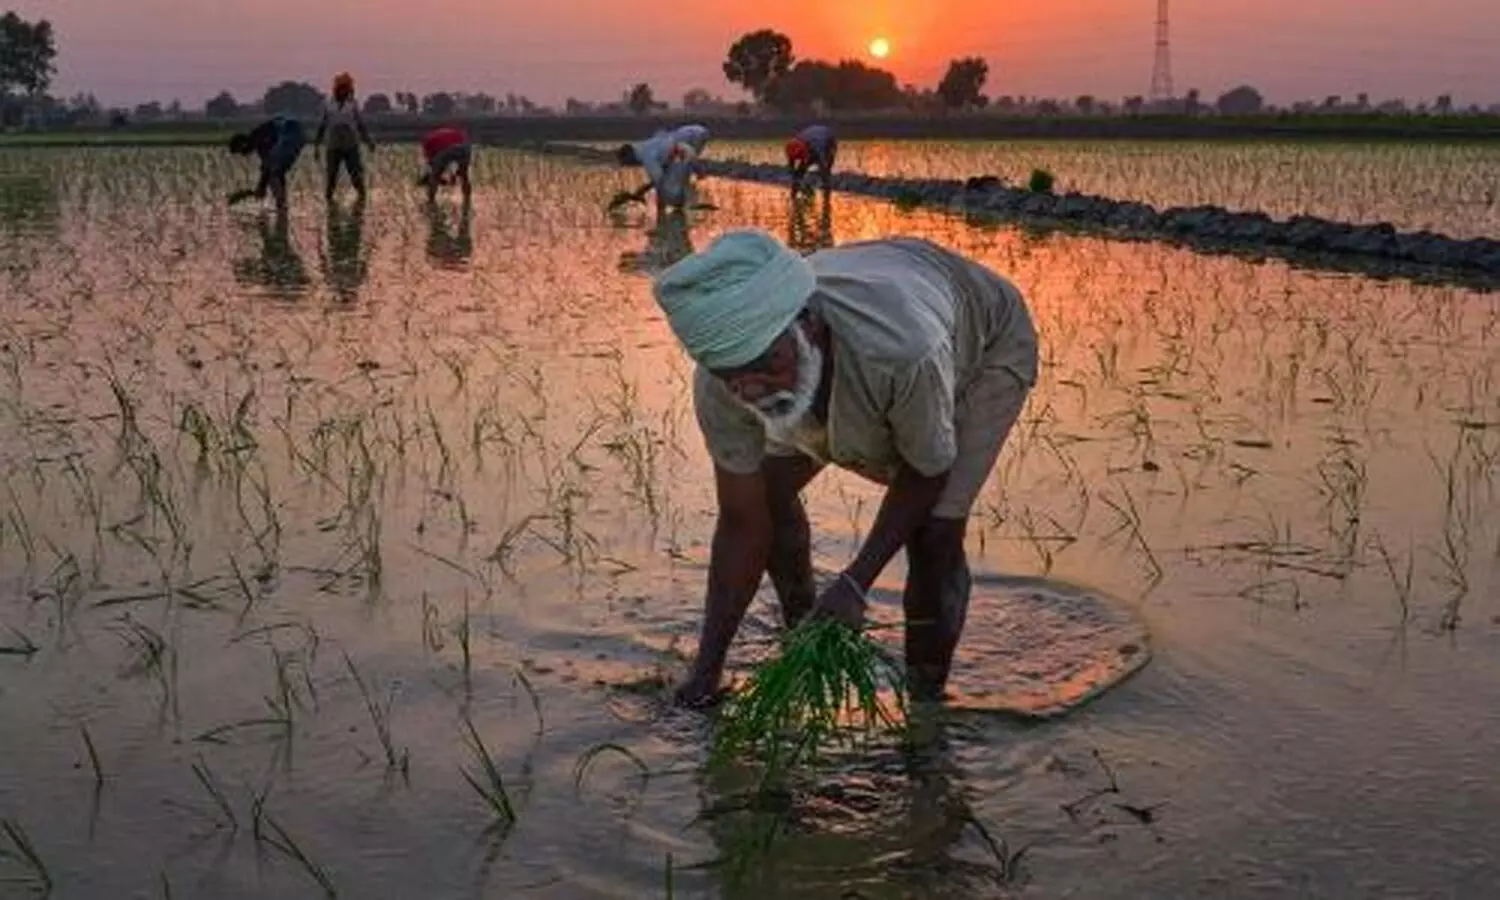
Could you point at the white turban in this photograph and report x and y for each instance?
(729, 303)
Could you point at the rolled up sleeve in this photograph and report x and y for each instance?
(921, 416)
(735, 439)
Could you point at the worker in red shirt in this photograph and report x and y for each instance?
(446, 149)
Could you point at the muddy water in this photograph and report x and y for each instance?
(245, 463)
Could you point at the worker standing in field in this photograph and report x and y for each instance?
(344, 128)
(278, 142)
(896, 359)
(446, 149)
(668, 158)
(813, 147)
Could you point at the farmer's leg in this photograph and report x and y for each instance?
(465, 160)
(355, 162)
(936, 603)
(936, 598)
(827, 166)
(332, 161)
(790, 564)
(277, 186)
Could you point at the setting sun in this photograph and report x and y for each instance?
(880, 48)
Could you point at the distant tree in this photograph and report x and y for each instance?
(963, 85)
(292, 98)
(1242, 101)
(641, 100)
(698, 98)
(1134, 105)
(27, 54)
(408, 102)
(174, 109)
(576, 107)
(1444, 104)
(223, 106)
(1332, 102)
(378, 105)
(148, 112)
(757, 60)
(440, 104)
(849, 85)
(480, 104)
(1006, 104)
(1363, 102)
(1192, 104)
(1085, 104)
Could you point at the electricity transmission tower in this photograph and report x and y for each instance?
(1161, 72)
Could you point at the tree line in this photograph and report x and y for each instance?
(763, 62)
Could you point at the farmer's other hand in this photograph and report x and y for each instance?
(843, 601)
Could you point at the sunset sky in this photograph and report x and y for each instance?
(131, 50)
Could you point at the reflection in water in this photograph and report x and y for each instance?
(666, 244)
(278, 269)
(450, 245)
(801, 235)
(889, 825)
(345, 263)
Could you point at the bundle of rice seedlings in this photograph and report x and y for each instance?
(822, 689)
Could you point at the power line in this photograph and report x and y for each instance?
(1161, 71)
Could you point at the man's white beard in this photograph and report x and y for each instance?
(784, 412)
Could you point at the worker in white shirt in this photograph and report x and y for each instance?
(668, 158)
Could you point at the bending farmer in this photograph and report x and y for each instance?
(896, 359)
(278, 142)
(668, 158)
(813, 147)
(345, 129)
(443, 150)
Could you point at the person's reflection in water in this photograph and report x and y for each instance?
(278, 269)
(667, 243)
(345, 265)
(892, 825)
(450, 245)
(801, 235)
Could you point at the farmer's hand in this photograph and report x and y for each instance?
(843, 601)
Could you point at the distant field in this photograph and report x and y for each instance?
(507, 129)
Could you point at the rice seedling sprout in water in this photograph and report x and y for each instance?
(823, 689)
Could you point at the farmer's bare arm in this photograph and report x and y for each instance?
(908, 503)
(741, 550)
(790, 565)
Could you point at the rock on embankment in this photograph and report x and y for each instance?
(987, 196)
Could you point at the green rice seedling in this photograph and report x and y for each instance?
(380, 717)
(23, 645)
(822, 689)
(88, 744)
(581, 768)
(272, 833)
(489, 784)
(25, 851)
(536, 700)
(211, 786)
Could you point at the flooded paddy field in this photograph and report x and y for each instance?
(1445, 188)
(355, 553)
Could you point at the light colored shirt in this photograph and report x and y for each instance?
(912, 326)
(343, 123)
(657, 152)
(819, 140)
